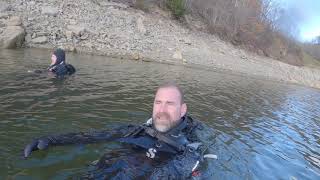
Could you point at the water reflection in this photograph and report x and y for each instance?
(262, 130)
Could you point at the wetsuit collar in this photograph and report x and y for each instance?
(177, 130)
(51, 67)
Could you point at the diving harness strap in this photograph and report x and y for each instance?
(178, 146)
(162, 137)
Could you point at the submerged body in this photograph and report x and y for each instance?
(145, 154)
(58, 66)
(171, 145)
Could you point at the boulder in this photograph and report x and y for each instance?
(135, 56)
(244, 57)
(40, 40)
(77, 30)
(69, 35)
(4, 6)
(84, 36)
(69, 48)
(4, 15)
(12, 37)
(14, 21)
(184, 61)
(177, 55)
(140, 26)
(2, 24)
(49, 10)
(28, 38)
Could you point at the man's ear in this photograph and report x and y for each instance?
(183, 109)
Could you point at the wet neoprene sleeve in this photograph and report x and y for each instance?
(89, 137)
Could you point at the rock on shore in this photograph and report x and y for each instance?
(12, 34)
(115, 29)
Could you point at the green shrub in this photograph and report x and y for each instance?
(177, 7)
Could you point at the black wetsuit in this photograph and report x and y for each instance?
(153, 155)
(62, 69)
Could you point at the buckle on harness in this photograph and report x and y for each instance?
(194, 146)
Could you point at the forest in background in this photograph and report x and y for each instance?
(260, 26)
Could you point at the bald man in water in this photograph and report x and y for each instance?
(167, 146)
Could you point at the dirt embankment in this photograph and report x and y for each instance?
(115, 29)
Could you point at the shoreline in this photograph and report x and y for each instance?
(119, 31)
(254, 75)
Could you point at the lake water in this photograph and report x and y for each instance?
(262, 129)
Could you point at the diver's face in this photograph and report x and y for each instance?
(53, 59)
(167, 109)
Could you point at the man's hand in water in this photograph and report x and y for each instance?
(37, 144)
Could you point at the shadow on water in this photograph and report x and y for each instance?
(262, 130)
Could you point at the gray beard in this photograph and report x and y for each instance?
(162, 127)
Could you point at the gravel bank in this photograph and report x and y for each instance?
(115, 29)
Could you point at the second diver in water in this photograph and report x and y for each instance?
(58, 66)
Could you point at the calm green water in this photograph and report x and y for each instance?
(262, 130)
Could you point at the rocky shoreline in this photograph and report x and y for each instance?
(118, 30)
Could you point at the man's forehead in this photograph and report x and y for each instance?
(168, 92)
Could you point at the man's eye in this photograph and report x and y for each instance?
(170, 103)
(157, 102)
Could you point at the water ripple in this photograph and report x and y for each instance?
(262, 130)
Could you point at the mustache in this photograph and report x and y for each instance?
(162, 114)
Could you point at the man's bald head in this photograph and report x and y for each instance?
(175, 86)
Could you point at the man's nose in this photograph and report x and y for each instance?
(163, 108)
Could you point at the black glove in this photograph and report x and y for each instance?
(37, 144)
